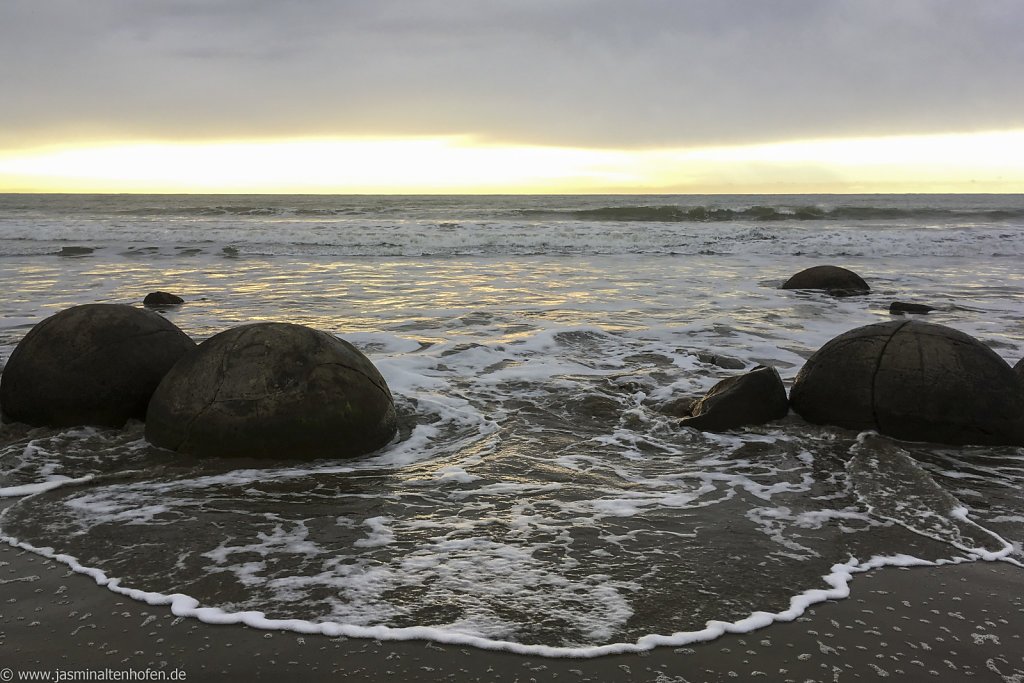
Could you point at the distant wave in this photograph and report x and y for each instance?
(669, 209)
(709, 214)
(187, 211)
(639, 213)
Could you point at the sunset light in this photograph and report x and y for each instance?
(989, 162)
(612, 341)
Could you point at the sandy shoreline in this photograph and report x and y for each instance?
(923, 623)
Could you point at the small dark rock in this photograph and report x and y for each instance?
(272, 390)
(158, 299)
(832, 279)
(96, 364)
(754, 397)
(76, 251)
(901, 307)
(1019, 369)
(724, 362)
(912, 380)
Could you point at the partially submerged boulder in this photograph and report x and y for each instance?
(96, 364)
(272, 390)
(754, 397)
(902, 307)
(159, 299)
(724, 362)
(912, 380)
(835, 280)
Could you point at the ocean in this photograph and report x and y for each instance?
(537, 498)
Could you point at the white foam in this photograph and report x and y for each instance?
(39, 487)
(380, 533)
(839, 579)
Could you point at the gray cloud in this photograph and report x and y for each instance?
(580, 72)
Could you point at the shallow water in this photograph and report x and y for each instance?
(535, 498)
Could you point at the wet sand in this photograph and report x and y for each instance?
(962, 622)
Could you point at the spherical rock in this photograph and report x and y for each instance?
(753, 397)
(912, 380)
(272, 390)
(833, 279)
(96, 364)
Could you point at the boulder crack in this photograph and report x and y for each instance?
(874, 375)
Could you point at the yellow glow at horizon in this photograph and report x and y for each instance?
(431, 164)
(459, 164)
(987, 149)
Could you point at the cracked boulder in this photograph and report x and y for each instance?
(752, 398)
(832, 279)
(915, 381)
(96, 364)
(272, 390)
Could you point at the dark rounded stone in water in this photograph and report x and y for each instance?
(1019, 369)
(96, 364)
(912, 380)
(832, 279)
(754, 397)
(901, 307)
(158, 299)
(724, 362)
(76, 251)
(272, 390)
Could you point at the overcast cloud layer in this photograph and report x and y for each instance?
(601, 73)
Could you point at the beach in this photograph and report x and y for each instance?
(540, 510)
(955, 622)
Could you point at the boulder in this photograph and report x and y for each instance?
(724, 362)
(833, 279)
(912, 380)
(754, 397)
(901, 307)
(76, 251)
(96, 364)
(272, 390)
(158, 299)
(1019, 369)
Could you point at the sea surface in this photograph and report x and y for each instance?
(536, 498)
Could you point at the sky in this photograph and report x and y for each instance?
(512, 95)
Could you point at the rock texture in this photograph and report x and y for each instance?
(272, 390)
(754, 397)
(833, 279)
(912, 380)
(96, 364)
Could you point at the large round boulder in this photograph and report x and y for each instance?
(96, 364)
(833, 279)
(272, 390)
(912, 380)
